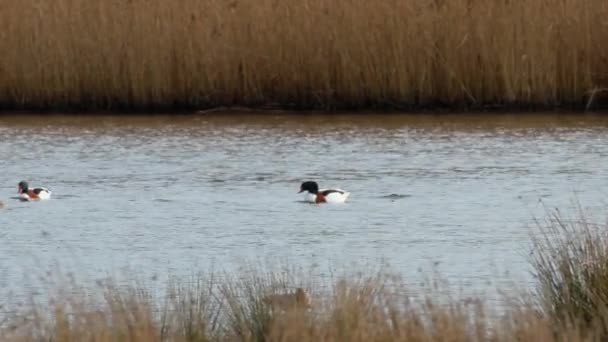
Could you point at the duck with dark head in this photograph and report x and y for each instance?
(32, 194)
(316, 195)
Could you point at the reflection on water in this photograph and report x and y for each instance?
(175, 194)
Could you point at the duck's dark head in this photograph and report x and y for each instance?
(22, 187)
(309, 186)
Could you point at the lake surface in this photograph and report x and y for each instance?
(159, 195)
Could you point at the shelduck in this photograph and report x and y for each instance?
(32, 194)
(316, 195)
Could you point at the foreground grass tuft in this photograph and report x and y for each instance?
(572, 269)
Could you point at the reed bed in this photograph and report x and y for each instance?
(308, 54)
(569, 304)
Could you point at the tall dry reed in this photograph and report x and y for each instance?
(302, 54)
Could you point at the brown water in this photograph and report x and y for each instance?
(176, 194)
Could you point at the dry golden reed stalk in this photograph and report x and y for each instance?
(302, 54)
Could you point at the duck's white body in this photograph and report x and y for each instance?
(36, 194)
(338, 196)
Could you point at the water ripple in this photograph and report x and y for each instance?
(170, 193)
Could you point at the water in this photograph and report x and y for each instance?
(175, 194)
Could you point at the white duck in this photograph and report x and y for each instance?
(316, 195)
(33, 194)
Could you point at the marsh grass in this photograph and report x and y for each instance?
(570, 260)
(351, 313)
(191, 311)
(572, 270)
(392, 54)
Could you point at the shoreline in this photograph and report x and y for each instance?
(287, 110)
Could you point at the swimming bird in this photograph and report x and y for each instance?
(32, 194)
(316, 195)
(298, 299)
